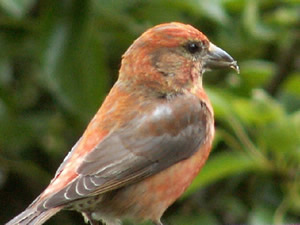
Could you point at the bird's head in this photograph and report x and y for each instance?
(172, 57)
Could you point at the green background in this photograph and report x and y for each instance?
(59, 58)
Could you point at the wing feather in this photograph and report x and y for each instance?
(169, 132)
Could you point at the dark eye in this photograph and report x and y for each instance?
(193, 47)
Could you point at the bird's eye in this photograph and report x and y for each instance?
(193, 47)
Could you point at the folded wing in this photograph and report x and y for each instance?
(167, 132)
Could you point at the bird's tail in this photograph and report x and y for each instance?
(33, 216)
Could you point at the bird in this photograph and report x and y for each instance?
(148, 141)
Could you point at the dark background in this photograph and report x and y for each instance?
(59, 58)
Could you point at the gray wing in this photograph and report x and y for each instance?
(169, 132)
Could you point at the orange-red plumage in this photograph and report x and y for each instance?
(150, 138)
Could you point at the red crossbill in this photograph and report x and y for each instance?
(149, 139)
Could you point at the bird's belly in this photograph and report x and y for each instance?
(149, 198)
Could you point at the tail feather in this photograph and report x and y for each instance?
(32, 216)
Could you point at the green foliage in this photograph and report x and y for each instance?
(58, 60)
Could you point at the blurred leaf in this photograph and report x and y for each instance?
(234, 5)
(73, 64)
(221, 101)
(259, 110)
(220, 166)
(212, 9)
(255, 73)
(261, 215)
(284, 16)
(282, 138)
(292, 84)
(253, 23)
(16, 8)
